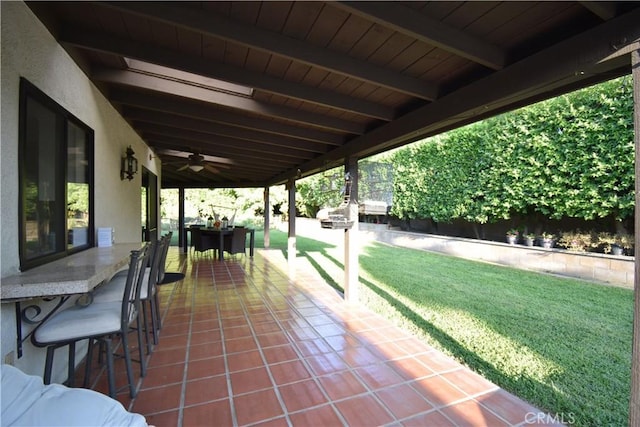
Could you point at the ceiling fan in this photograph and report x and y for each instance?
(196, 162)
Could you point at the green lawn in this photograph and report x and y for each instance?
(564, 345)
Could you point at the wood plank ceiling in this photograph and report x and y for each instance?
(268, 91)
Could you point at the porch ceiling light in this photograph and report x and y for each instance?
(196, 167)
(129, 166)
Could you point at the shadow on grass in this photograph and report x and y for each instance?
(446, 342)
(453, 347)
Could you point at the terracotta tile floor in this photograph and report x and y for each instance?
(243, 345)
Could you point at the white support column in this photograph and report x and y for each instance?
(351, 238)
(292, 249)
(267, 217)
(634, 404)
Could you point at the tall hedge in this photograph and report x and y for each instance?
(571, 156)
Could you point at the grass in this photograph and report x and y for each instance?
(563, 345)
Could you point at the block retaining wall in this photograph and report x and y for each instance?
(615, 270)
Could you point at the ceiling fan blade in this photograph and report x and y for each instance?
(172, 162)
(175, 153)
(182, 168)
(211, 168)
(220, 161)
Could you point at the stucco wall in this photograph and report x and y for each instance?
(28, 50)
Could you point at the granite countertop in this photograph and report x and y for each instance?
(75, 274)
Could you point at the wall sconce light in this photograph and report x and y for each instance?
(129, 165)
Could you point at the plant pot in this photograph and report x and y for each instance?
(512, 240)
(616, 250)
(547, 243)
(529, 241)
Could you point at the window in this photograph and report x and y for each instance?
(149, 205)
(56, 180)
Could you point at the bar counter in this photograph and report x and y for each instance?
(74, 274)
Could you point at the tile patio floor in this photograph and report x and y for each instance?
(243, 345)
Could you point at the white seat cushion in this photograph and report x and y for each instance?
(26, 401)
(78, 322)
(113, 290)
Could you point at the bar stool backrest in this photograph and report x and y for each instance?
(164, 247)
(131, 298)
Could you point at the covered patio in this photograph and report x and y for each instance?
(242, 344)
(261, 94)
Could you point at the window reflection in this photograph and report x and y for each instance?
(77, 187)
(56, 164)
(41, 172)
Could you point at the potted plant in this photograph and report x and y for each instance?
(576, 240)
(625, 241)
(512, 236)
(607, 242)
(616, 249)
(529, 238)
(547, 239)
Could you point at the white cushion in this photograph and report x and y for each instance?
(78, 322)
(26, 401)
(113, 290)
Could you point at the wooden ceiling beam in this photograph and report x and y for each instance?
(249, 166)
(247, 170)
(185, 108)
(181, 61)
(605, 10)
(240, 173)
(171, 87)
(182, 177)
(579, 58)
(431, 31)
(255, 163)
(214, 184)
(271, 42)
(214, 142)
(216, 129)
(171, 179)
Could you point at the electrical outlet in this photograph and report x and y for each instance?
(10, 358)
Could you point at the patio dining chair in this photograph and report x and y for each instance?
(236, 242)
(100, 322)
(202, 242)
(191, 228)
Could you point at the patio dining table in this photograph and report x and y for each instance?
(220, 233)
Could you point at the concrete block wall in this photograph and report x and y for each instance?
(610, 269)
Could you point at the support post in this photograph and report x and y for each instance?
(182, 236)
(351, 241)
(267, 217)
(634, 404)
(292, 250)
